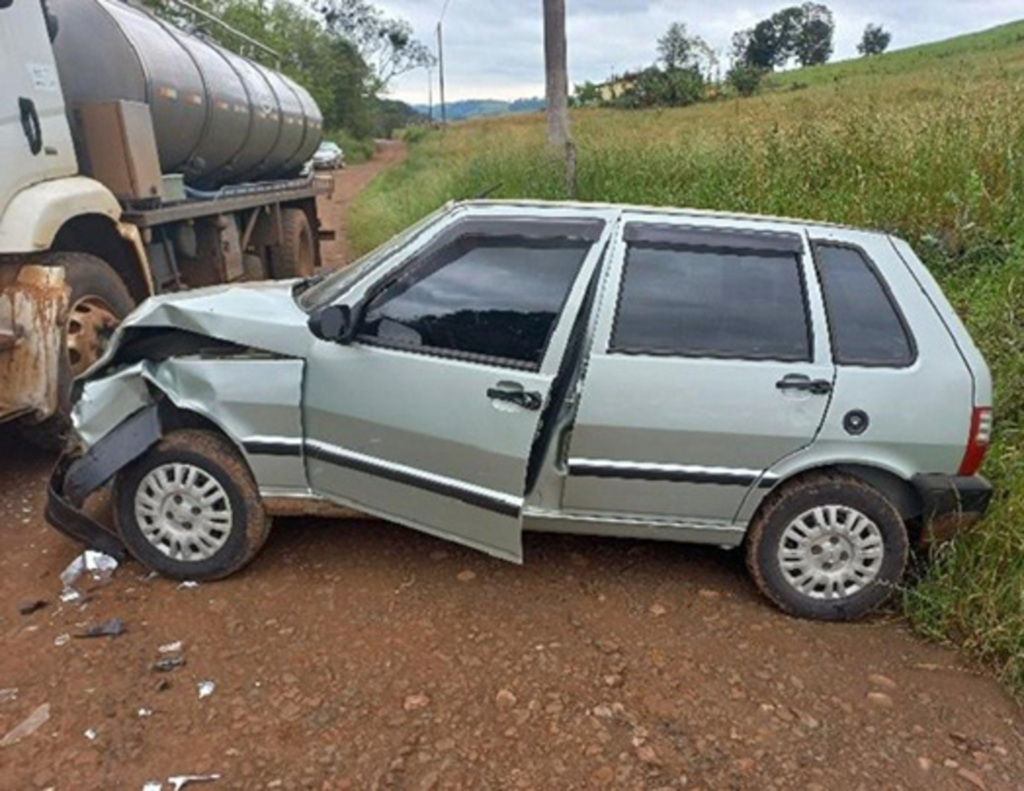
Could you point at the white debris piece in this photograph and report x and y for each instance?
(99, 566)
(90, 734)
(8, 694)
(28, 726)
(188, 584)
(206, 689)
(61, 639)
(171, 648)
(153, 785)
(178, 782)
(144, 712)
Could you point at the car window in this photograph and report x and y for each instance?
(701, 296)
(866, 326)
(481, 296)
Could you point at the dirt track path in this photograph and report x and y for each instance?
(363, 655)
(348, 183)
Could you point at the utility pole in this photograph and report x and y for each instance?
(440, 69)
(430, 94)
(557, 90)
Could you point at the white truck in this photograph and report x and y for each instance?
(134, 159)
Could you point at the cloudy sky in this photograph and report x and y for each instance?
(494, 48)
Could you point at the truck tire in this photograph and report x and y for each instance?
(97, 302)
(295, 256)
(829, 547)
(189, 508)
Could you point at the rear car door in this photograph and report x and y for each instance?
(429, 416)
(706, 369)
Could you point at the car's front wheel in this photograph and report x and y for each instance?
(828, 547)
(189, 507)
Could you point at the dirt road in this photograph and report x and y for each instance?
(363, 655)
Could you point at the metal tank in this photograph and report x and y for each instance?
(219, 118)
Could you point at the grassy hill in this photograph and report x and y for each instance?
(926, 142)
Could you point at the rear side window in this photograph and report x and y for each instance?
(867, 328)
(705, 300)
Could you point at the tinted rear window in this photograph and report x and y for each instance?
(704, 302)
(866, 327)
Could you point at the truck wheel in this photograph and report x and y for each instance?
(829, 547)
(97, 302)
(295, 256)
(189, 508)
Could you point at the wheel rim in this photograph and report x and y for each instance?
(91, 322)
(831, 552)
(184, 512)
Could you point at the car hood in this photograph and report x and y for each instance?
(263, 316)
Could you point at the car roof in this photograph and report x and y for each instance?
(666, 211)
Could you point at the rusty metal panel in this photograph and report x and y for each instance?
(33, 304)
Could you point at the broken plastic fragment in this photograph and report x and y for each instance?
(28, 726)
(144, 712)
(171, 648)
(178, 782)
(153, 785)
(8, 694)
(188, 584)
(206, 689)
(100, 567)
(61, 639)
(90, 734)
(168, 664)
(111, 628)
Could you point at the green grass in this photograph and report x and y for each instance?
(927, 143)
(357, 149)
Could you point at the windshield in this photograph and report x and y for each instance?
(342, 279)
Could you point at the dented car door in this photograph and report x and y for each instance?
(428, 416)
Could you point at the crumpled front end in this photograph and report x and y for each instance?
(33, 303)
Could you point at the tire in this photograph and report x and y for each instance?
(98, 301)
(858, 562)
(295, 256)
(237, 526)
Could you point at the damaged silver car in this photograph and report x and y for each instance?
(801, 390)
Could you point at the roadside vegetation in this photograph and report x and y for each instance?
(927, 143)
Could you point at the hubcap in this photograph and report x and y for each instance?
(831, 552)
(183, 511)
(91, 322)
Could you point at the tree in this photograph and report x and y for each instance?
(385, 44)
(675, 47)
(745, 79)
(875, 41)
(813, 44)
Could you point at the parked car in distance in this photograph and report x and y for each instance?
(798, 390)
(328, 156)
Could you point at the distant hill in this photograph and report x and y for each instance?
(475, 108)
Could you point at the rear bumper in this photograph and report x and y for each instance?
(950, 503)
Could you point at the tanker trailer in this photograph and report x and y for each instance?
(135, 159)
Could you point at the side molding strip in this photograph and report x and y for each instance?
(670, 473)
(468, 493)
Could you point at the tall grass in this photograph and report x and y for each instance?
(935, 155)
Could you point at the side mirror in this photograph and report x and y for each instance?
(335, 323)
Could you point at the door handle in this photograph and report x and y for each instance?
(513, 393)
(804, 384)
(30, 125)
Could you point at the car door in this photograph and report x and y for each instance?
(35, 141)
(428, 417)
(705, 370)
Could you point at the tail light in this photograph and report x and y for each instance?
(978, 440)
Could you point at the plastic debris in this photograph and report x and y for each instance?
(61, 639)
(111, 628)
(178, 782)
(31, 606)
(153, 785)
(90, 734)
(28, 726)
(188, 584)
(168, 664)
(171, 648)
(100, 568)
(9, 694)
(206, 689)
(144, 712)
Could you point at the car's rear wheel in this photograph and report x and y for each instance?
(190, 509)
(828, 547)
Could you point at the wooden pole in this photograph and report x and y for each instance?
(557, 88)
